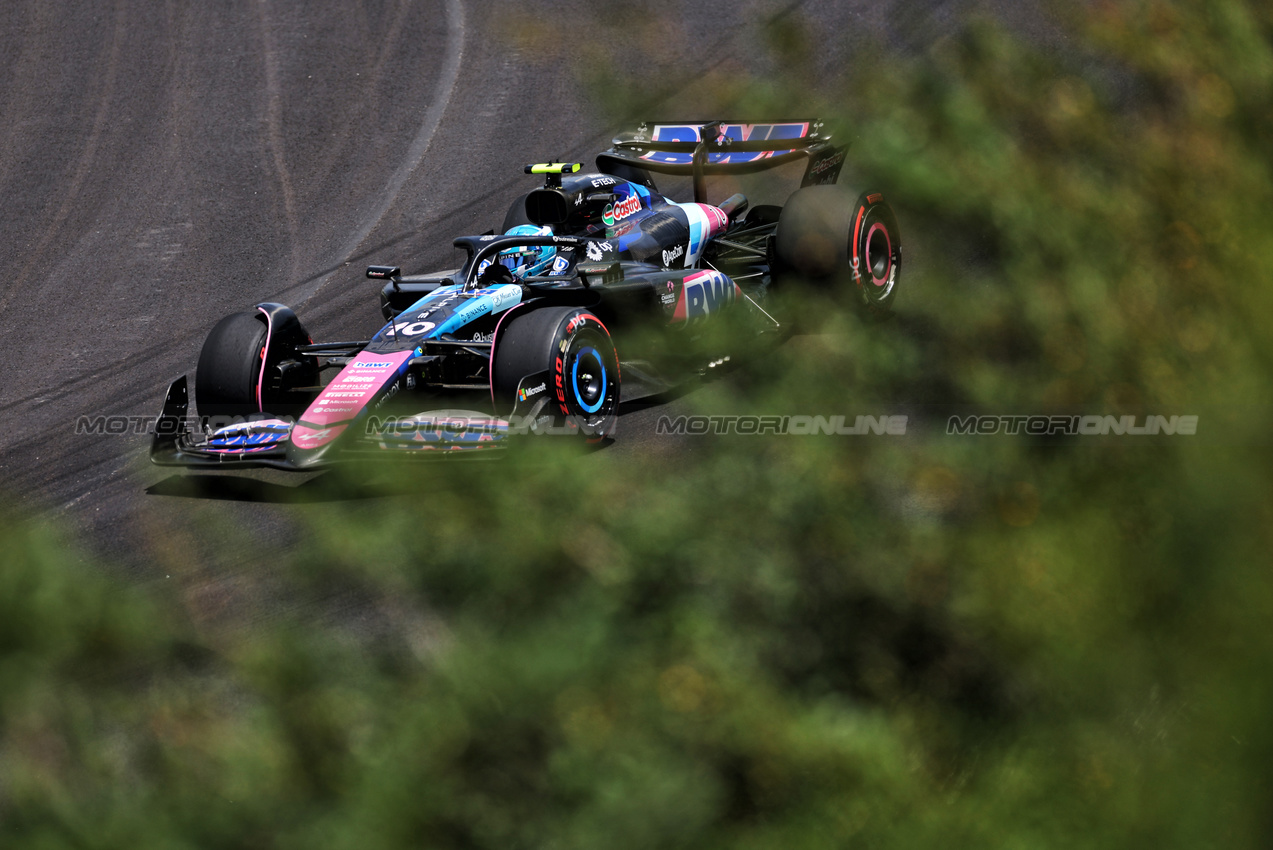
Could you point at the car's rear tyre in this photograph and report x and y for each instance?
(574, 348)
(238, 377)
(827, 237)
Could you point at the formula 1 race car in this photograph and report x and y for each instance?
(526, 335)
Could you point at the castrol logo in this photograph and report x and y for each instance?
(621, 210)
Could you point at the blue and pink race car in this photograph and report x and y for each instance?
(597, 282)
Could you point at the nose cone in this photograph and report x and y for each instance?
(341, 403)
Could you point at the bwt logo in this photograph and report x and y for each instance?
(707, 294)
(245, 438)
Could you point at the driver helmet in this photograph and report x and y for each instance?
(526, 260)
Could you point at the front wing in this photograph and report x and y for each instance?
(266, 442)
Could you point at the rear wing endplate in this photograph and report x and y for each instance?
(708, 148)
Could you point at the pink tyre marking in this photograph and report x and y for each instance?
(879, 281)
(265, 353)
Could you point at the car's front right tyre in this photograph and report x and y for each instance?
(574, 348)
(228, 377)
(240, 371)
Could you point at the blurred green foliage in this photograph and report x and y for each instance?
(785, 642)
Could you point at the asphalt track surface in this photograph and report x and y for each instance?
(164, 163)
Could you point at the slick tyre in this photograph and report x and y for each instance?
(574, 348)
(238, 375)
(227, 379)
(828, 238)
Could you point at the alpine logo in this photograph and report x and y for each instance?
(621, 210)
(673, 254)
(315, 436)
(312, 438)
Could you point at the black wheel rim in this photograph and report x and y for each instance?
(879, 261)
(589, 379)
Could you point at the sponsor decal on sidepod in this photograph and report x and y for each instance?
(621, 210)
(703, 294)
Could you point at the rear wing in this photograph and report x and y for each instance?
(706, 148)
